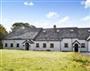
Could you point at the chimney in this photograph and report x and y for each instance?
(54, 26)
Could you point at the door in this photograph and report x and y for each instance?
(26, 46)
(76, 48)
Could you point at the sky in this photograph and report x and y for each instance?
(45, 13)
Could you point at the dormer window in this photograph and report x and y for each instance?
(88, 30)
(44, 31)
(57, 31)
(71, 30)
(22, 27)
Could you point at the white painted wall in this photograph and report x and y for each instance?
(14, 44)
(86, 45)
(69, 45)
(32, 46)
(82, 41)
(56, 45)
(70, 41)
(89, 45)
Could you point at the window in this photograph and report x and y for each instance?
(44, 45)
(51, 45)
(82, 45)
(66, 45)
(11, 44)
(71, 30)
(17, 44)
(44, 31)
(58, 31)
(37, 45)
(6, 45)
(88, 30)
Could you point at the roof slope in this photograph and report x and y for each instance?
(50, 33)
(27, 33)
(60, 33)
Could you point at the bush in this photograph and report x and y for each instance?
(1, 45)
(48, 50)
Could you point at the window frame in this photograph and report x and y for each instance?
(51, 45)
(44, 45)
(66, 45)
(37, 45)
(6, 45)
(17, 45)
(83, 45)
(11, 45)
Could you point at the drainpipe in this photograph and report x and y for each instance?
(60, 45)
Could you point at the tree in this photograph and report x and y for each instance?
(3, 33)
(19, 25)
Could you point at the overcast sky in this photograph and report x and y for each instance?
(45, 13)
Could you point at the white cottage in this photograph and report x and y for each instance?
(50, 39)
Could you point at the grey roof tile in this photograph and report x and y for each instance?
(50, 33)
(24, 34)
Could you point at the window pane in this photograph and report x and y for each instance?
(66, 45)
(51, 45)
(6, 45)
(17, 44)
(11, 44)
(37, 45)
(44, 45)
(82, 45)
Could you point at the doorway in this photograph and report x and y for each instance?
(76, 47)
(26, 46)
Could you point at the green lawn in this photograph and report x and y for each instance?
(20, 60)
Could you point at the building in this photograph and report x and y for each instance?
(50, 39)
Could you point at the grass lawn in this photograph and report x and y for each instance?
(20, 60)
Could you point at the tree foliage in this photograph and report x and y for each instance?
(3, 33)
(19, 25)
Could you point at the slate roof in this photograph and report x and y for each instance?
(27, 33)
(61, 33)
(50, 33)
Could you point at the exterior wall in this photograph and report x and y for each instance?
(69, 41)
(82, 41)
(86, 45)
(21, 46)
(32, 46)
(89, 46)
(56, 45)
(70, 48)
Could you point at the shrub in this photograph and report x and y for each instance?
(1, 45)
(48, 50)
